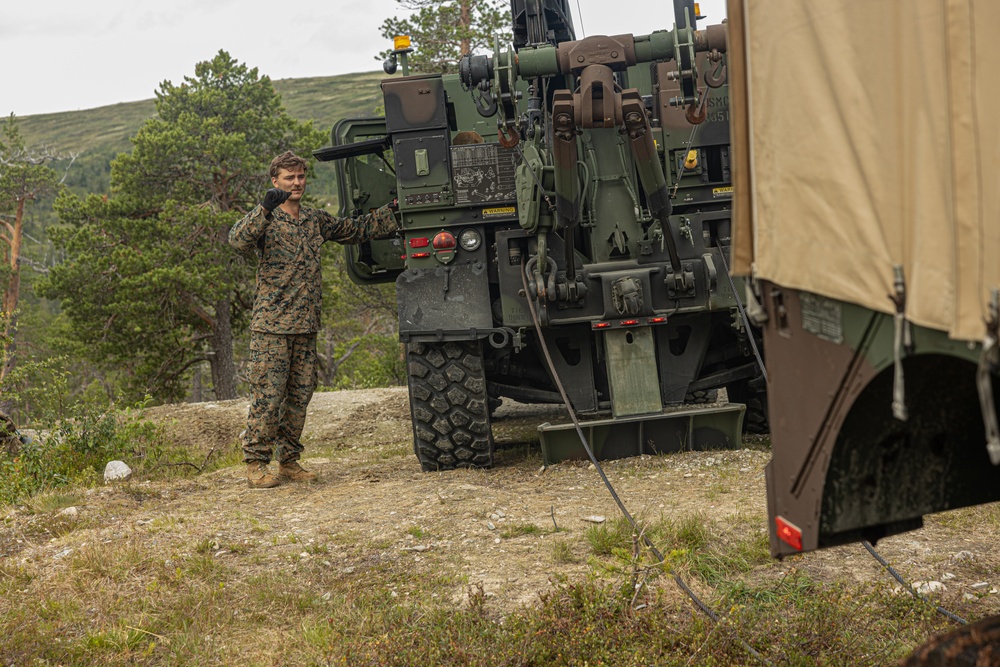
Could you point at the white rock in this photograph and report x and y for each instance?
(961, 556)
(980, 584)
(68, 512)
(946, 576)
(929, 587)
(489, 524)
(116, 470)
(596, 518)
(968, 596)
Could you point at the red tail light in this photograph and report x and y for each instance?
(419, 242)
(444, 241)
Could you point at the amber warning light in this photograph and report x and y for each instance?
(401, 42)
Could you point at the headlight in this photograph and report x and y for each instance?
(469, 239)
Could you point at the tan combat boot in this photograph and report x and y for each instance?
(295, 473)
(259, 477)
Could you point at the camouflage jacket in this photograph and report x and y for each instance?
(289, 284)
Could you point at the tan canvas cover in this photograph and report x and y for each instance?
(866, 134)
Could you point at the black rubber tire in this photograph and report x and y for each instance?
(755, 420)
(701, 397)
(972, 645)
(449, 406)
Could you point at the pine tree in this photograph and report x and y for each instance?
(150, 281)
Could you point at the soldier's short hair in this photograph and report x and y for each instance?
(287, 160)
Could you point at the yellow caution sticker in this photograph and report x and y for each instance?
(499, 211)
(722, 192)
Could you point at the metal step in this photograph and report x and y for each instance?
(682, 429)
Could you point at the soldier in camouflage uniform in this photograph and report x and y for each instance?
(286, 313)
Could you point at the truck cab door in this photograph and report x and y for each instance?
(366, 182)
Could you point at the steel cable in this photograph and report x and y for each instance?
(877, 556)
(607, 483)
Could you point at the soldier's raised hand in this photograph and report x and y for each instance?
(274, 198)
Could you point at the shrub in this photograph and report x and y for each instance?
(76, 451)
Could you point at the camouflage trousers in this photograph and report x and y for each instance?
(282, 380)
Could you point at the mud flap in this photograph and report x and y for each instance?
(443, 299)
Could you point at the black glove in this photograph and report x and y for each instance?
(274, 198)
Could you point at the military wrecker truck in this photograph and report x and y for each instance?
(590, 178)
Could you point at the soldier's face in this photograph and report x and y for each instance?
(291, 180)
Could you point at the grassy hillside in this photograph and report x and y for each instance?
(97, 135)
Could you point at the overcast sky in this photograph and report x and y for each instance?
(64, 55)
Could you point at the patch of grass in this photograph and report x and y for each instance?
(608, 537)
(13, 577)
(983, 519)
(717, 562)
(386, 452)
(205, 546)
(209, 614)
(116, 561)
(316, 549)
(519, 529)
(53, 501)
(238, 547)
(562, 553)
(417, 532)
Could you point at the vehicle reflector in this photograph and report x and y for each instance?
(789, 533)
(656, 320)
(419, 242)
(629, 323)
(420, 255)
(601, 325)
(444, 241)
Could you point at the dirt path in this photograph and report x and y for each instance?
(492, 528)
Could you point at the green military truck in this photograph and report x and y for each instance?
(566, 221)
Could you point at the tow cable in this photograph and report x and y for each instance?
(607, 483)
(882, 561)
